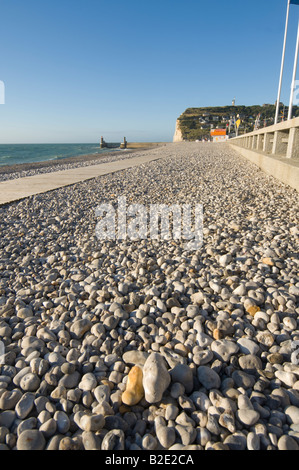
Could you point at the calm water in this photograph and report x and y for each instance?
(29, 153)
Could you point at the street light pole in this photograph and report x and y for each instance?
(282, 62)
(293, 87)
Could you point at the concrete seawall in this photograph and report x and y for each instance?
(274, 149)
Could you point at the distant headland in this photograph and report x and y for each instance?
(196, 123)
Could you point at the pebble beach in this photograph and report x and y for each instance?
(144, 345)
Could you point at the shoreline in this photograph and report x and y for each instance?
(53, 163)
(19, 170)
(18, 167)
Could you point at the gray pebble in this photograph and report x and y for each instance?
(224, 349)
(31, 439)
(287, 443)
(208, 377)
(114, 440)
(183, 374)
(25, 405)
(236, 441)
(7, 418)
(248, 417)
(187, 434)
(171, 412)
(248, 346)
(292, 414)
(9, 399)
(80, 327)
(91, 441)
(177, 390)
(30, 382)
(253, 441)
(242, 379)
(92, 423)
(250, 363)
(166, 435)
(136, 358)
(88, 382)
(149, 442)
(70, 380)
(48, 428)
(62, 421)
(203, 436)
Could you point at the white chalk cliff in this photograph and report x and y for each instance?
(178, 137)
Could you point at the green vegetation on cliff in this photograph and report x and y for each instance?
(196, 123)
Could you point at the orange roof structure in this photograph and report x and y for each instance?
(217, 132)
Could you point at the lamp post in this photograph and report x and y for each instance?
(282, 62)
(293, 87)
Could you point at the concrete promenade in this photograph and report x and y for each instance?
(14, 190)
(284, 169)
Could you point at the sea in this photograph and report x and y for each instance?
(11, 154)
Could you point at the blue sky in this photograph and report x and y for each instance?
(78, 69)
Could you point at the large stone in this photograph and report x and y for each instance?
(134, 388)
(198, 298)
(227, 420)
(156, 378)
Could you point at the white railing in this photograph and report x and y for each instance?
(278, 140)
